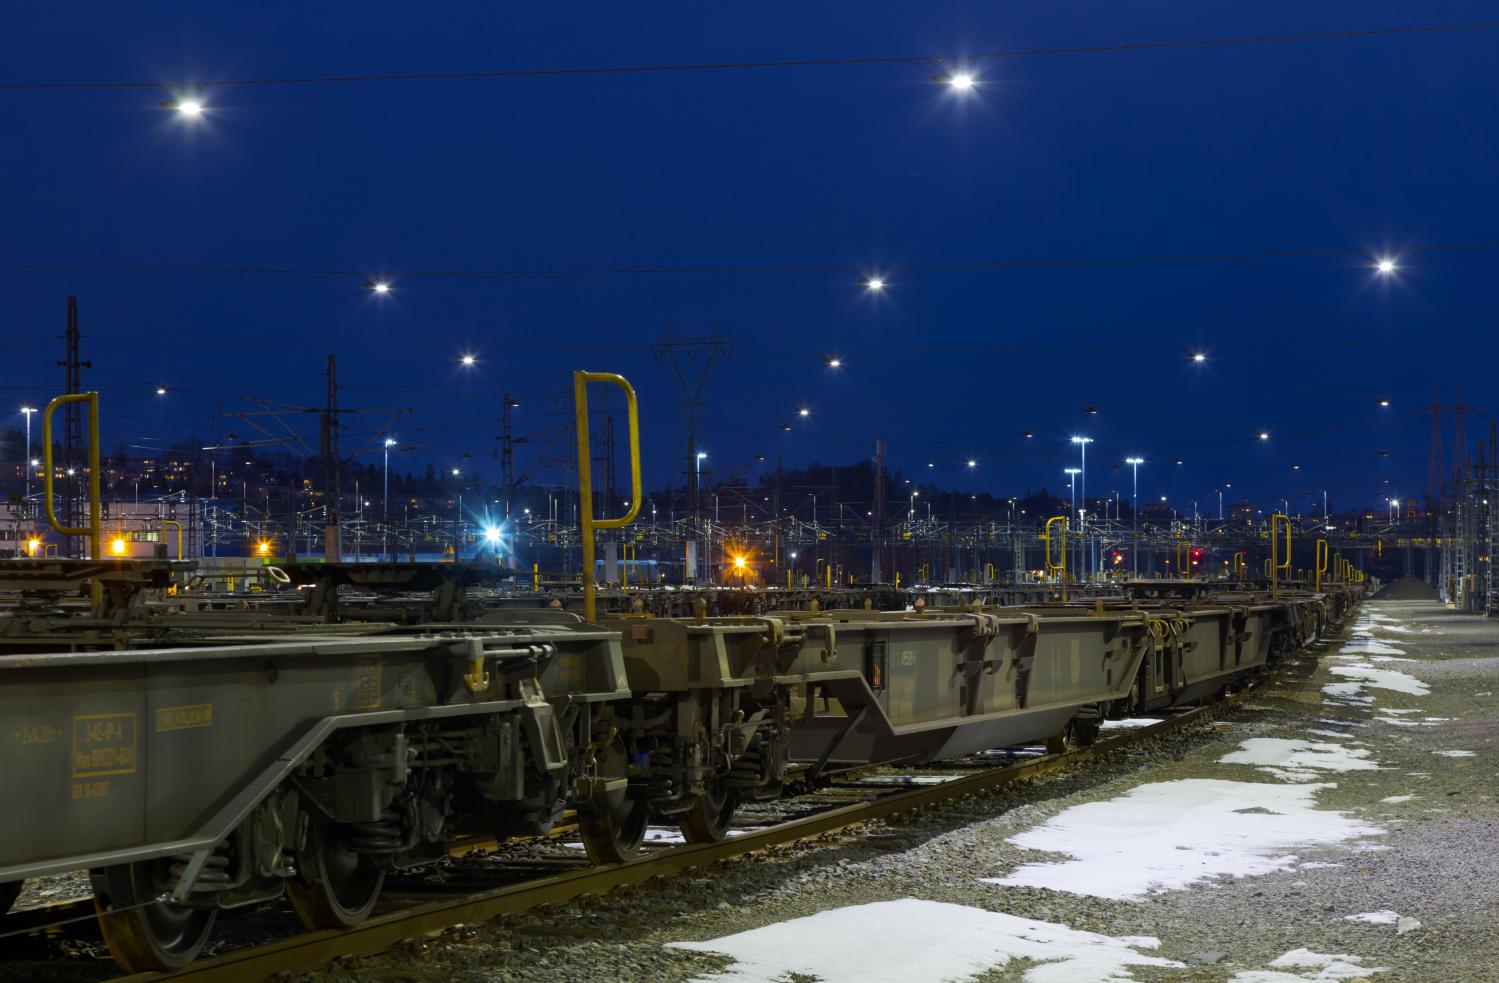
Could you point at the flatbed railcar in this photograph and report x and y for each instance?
(209, 764)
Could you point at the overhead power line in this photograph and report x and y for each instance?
(764, 64)
(1157, 259)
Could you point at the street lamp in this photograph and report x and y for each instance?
(1134, 518)
(1082, 519)
(28, 410)
(1199, 357)
(873, 283)
(1386, 266)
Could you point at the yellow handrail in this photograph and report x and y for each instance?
(1060, 567)
(93, 530)
(1277, 564)
(174, 522)
(585, 474)
(1321, 565)
(1184, 559)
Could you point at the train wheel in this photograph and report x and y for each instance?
(615, 836)
(708, 819)
(334, 886)
(145, 934)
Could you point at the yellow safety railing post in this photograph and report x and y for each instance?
(1059, 567)
(1279, 563)
(585, 475)
(93, 530)
(174, 522)
(1320, 566)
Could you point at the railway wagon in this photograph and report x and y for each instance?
(191, 780)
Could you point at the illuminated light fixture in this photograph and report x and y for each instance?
(455, 472)
(1027, 434)
(1091, 411)
(491, 534)
(263, 548)
(117, 546)
(1178, 461)
(1386, 266)
(1199, 357)
(32, 545)
(875, 283)
(1295, 467)
(785, 426)
(466, 359)
(1264, 435)
(972, 463)
(390, 442)
(188, 108)
(161, 390)
(931, 464)
(834, 362)
(959, 81)
(738, 563)
(1384, 402)
(378, 286)
(803, 412)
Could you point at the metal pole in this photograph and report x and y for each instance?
(1134, 520)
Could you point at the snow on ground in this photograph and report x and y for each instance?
(1366, 674)
(1168, 836)
(1298, 761)
(1369, 646)
(1382, 917)
(1322, 967)
(661, 836)
(1129, 722)
(1393, 799)
(1327, 733)
(912, 939)
(1454, 754)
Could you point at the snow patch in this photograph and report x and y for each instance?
(1327, 733)
(1171, 835)
(1298, 761)
(1382, 917)
(1454, 754)
(1393, 799)
(1369, 646)
(1365, 674)
(1129, 722)
(1323, 968)
(934, 941)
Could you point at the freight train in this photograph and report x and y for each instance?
(198, 762)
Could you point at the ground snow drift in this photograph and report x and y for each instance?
(1170, 835)
(1298, 761)
(912, 939)
(1365, 674)
(1322, 967)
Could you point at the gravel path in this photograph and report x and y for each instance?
(1349, 835)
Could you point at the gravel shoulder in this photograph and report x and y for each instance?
(1360, 784)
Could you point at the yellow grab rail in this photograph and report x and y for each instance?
(174, 522)
(1060, 568)
(1278, 563)
(1320, 567)
(585, 474)
(1184, 559)
(93, 530)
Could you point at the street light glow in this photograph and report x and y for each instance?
(803, 412)
(161, 390)
(466, 359)
(1384, 402)
(491, 534)
(962, 81)
(1134, 460)
(378, 286)
(972, 463)
(835, 362)
(117, 546)
(1199, 357)
(1264, 435)
(390, 442)
(874, 283)
(1386, 266)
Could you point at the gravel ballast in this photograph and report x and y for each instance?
(1350, 834)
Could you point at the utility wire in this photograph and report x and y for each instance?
(1159, 259)
(768, 64)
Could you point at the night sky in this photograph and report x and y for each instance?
(1350, 149)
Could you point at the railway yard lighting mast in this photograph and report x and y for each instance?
(28, 410)
(1082, 495)
(1134, 514)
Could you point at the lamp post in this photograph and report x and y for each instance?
(1072, 474)
(1134, 517)
(1082, 494)
(28, 410)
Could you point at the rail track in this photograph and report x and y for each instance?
(311, 950)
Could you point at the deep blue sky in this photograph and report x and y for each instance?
(1363, 144)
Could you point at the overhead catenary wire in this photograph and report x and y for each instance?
(847, 61)
(976, 266)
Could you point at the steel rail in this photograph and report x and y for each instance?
(312, 950)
